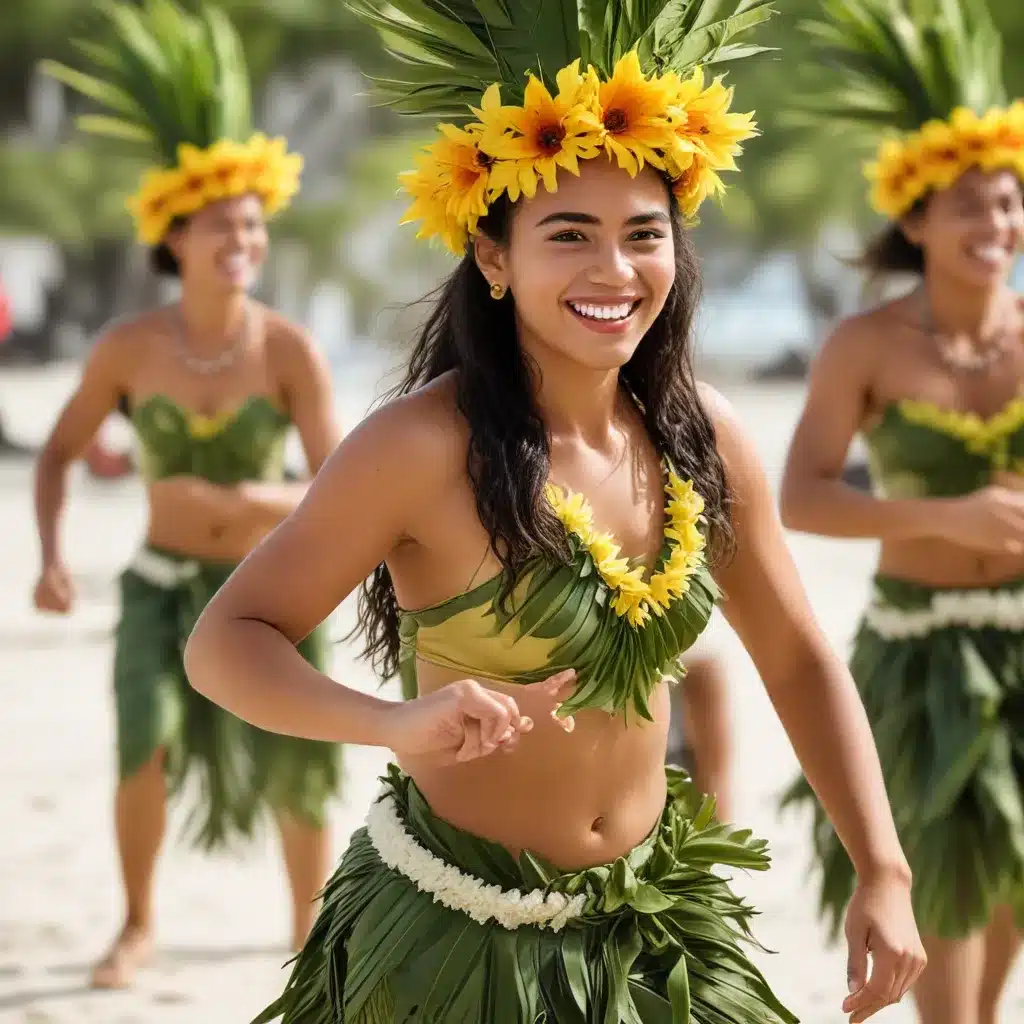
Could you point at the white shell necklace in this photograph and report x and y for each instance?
(219, 362)
(956, 358)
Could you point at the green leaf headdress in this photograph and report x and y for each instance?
(928, 74)
(587, 77)
(177, 85)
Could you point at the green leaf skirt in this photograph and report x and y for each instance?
(238, 770)
(659, 939)
(947, 711)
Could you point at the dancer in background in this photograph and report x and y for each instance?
(933, 381)
(540, 513)
(212, 385)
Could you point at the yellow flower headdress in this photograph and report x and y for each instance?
(178, 85)
(931, 75)
(631, 86)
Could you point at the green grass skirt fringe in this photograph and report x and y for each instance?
(659, 941)
(239, 770)
(947, 711)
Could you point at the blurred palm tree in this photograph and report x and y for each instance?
(303, 57)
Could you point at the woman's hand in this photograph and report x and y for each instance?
(186, 492)
(880, 922)
(54, 591)
(989, 520)
(464, 721)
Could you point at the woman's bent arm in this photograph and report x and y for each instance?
(95, 397)
(811, 689)
(359, 508)
(242, 651)
(815, 499)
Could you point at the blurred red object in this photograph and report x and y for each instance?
(6, 320)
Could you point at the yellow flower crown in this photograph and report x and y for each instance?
(681, 127)
(222, 171)
(934, 157)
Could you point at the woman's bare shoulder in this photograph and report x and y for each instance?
(870, 328)
(138, 327)
(123, 344)
(421, 434)
(284, 337)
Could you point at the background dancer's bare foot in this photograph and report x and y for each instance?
(132, 950)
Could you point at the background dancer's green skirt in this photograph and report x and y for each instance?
(240, 770)
(947, 711)
(657, 939)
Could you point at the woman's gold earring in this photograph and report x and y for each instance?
(497, 291)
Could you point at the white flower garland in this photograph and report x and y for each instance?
(161, 570)
(457, 890)
(976, 609)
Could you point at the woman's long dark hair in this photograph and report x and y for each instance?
(162, 260)
(891, 252)
(508, 460)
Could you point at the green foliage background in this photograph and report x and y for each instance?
(794, 183)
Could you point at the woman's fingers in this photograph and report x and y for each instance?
(472, 745)
(557, 687)
(559, 681)
(491, 720)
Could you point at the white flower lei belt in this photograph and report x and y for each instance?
(454, 888)
(976, 609)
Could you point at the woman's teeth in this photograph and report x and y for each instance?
(593, 312)
(989, 253)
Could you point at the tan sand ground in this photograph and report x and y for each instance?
(223, 922)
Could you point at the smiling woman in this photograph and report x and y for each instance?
(540, 520)
(211, 385)
(934, 382)
(611, 309)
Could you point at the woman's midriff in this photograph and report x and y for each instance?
(937, 563)
(578, 799)
(191, 530)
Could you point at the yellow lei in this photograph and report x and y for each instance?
(635, 598)
(985, 436)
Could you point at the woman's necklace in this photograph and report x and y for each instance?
(954, 356)
(219, 362)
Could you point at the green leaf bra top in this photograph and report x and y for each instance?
(594, 613)
(246, 443)
(918, 449)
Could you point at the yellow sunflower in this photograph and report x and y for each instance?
(895, 179)
(638, 115)
(936, 154)
(152, 206)
(226, 169)
(709, 127)
(974, 134)
(546, 133)
(695, 183)
(1012, 134)
(427, 188)
(449, 186)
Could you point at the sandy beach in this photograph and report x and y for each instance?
(223, 922)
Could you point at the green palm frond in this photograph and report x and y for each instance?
(164, 76)
(445, 53)
(903, 62)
